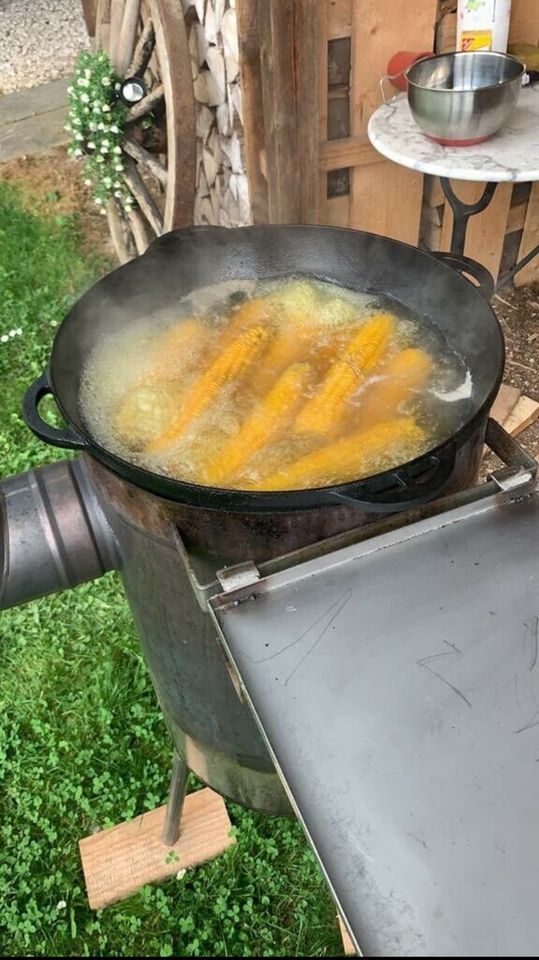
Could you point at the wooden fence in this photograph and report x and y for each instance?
(310, 77)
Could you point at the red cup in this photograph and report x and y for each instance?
(400, 62)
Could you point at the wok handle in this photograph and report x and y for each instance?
(402, 490)
(66, 437)
(465, 265)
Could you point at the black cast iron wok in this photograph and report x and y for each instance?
(184, 260)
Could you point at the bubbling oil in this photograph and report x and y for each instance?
(274, 385)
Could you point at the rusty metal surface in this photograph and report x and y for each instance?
(253, 536)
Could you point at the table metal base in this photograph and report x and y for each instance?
(461, 215)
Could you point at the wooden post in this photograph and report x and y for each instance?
(385, 198)
(289, 83)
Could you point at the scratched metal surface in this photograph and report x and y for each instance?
(397, 684)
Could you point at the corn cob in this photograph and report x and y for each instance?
(350, 458)
(253, 312)
(145, 410)
(178, 350)
(324, 413)
(229, 366)
(270, 417)
(399, 379)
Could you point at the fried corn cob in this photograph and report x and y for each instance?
(352, 457)
(270, 417)
(399, 379)
(324, 413)
(145, 410)
(229, 365)
(254, 312)
(177, 351)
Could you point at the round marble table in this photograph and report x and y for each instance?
(512, 155)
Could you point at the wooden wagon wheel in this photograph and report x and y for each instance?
(147, 39)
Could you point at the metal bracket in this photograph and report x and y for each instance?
(510, 478)
(239, 575)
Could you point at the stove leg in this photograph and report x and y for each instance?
(176, 797)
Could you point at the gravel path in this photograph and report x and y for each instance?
(39, 41)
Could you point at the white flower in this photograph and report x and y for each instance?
(107, 181)
(103, 212)
(117, 150)
(54, 323)
(70, 89)
(104, 149)
(4, 338)
(88, 182)
(77, 121)
(67, 127)
(98, 200)
(180, 874)
(114, 128)
(84, 98)
(78, 136)
(99, 159)
(118, 166)
(101, 125)
(117, 193)
(83, 83)
(96, 107)
(106, 81)
(105, 108)
(92, 126)
(61, 905)
(87, 73)
(19, 331)
(13, 333)
(117, 184)
(86, 109)
(90, 145)
(117, 86)
(77, 152)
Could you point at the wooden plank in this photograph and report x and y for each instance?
(530, 237)
(347, 152)
(446, 34)
(118, 861)
(289, 62)
(486, 231)
(385, 198)
(89, 12)
(339, 18)
(116, 14)
(348, 946)
(524, 413)
(504, 403)
(173, 53)
(251, 85)
(524, 24)
(306, 38)
(127, 38)
(324, 10)
(338, 211)
(278, 89)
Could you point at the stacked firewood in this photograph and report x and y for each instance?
(222, 190)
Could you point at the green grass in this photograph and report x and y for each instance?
(82, 742)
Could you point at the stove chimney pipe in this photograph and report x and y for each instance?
(53, 533)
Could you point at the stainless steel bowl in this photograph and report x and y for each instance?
(463, 98)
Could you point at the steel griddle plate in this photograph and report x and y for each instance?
(396, 682)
